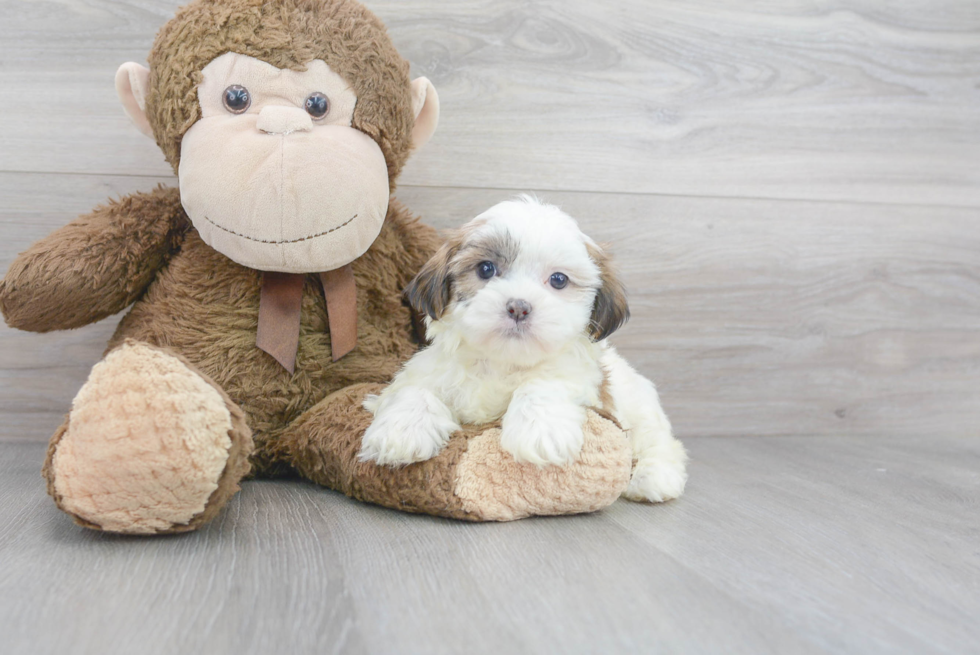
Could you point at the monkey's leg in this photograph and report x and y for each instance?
(151, 446)
(472, 478)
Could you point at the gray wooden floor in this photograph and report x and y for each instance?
(793, 193)
(781, 545)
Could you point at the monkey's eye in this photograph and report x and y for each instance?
(236, 98)
(317, 105)
(486, 270)
(559, 280)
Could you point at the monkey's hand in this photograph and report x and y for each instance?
(95, 266)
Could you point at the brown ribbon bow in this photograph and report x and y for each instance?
(280, 303)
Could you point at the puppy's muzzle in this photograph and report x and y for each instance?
(518, 309)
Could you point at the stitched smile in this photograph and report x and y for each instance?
(306, 238)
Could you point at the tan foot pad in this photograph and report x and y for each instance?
(493, 486)
(146, 443)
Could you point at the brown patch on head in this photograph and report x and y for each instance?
(611, 308)
(286, 34)
(499, 248)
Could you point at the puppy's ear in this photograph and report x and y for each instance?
(610, 309)
(432, 289)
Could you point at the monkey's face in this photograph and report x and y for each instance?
(273, 176)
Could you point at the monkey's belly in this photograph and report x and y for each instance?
(205, 307)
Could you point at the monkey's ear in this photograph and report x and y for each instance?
(425, 106)
(132, 85)
(432, 289)
(610, 310)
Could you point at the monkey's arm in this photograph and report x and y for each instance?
(95, 266)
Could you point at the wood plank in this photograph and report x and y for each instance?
(821, 544)
(878, 535)
(565, 585)
(243, 585)
(792, 100)
(754, 317)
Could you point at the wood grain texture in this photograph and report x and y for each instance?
(762, 317)
(844, 100)
(754, 317)
(793, 194)
(822, 544)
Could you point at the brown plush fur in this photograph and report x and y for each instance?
(46, 472)
(96, 265)
(199, 305)
(205, 306)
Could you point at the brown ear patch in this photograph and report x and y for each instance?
(431, 291)
(610, 310)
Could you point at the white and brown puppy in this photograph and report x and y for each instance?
(518, 304)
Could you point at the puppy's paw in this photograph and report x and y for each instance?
(410, 425)
(659, 477)
(543, 434)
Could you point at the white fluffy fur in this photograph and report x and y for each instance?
(538, 375)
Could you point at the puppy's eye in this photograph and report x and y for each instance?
(559, 280)
(317, 105)
(486, 270)
(236, 98)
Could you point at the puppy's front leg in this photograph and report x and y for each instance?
(543, 424)
(411, 424)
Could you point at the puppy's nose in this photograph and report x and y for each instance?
(518, 309)
(283, 120)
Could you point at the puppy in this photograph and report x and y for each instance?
(518, 304)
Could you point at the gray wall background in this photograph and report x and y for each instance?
(792, 189)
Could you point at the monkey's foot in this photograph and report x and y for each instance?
(151, 445)
(492, 485)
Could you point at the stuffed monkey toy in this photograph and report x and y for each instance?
(266, 290)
